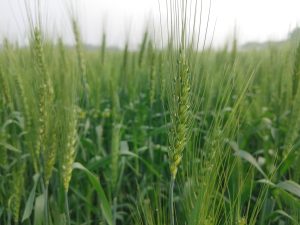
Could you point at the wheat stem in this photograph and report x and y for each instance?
(46, 205)
(68, 222)
(171, 201)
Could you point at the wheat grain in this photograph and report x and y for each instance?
(17, 187)
(69, 151)
(180, 116)
(81, 61)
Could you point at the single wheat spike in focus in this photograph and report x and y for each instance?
(180, 116)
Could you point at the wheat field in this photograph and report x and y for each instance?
(159, 135)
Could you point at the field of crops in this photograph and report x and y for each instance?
(155, 136)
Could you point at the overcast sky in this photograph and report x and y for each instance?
(256, 20)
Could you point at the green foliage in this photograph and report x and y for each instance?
(225, 122)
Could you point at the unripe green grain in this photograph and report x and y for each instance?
(296, 72)
(17, 191)
(161, 77)
(81, 61)
(142, 49)
(295, 122)
(125, 58)
(69, 151)
(180, 115)
(24, 101)
(115, 152)
(152, 89)
(46, 92)
(103, 48)
(50, 155)
(3, 150)
(5, 89)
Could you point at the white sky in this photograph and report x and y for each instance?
(256, 20)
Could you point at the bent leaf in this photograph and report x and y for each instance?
(290, 186)
(30, 200)
(105, 206)
(248, 157)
